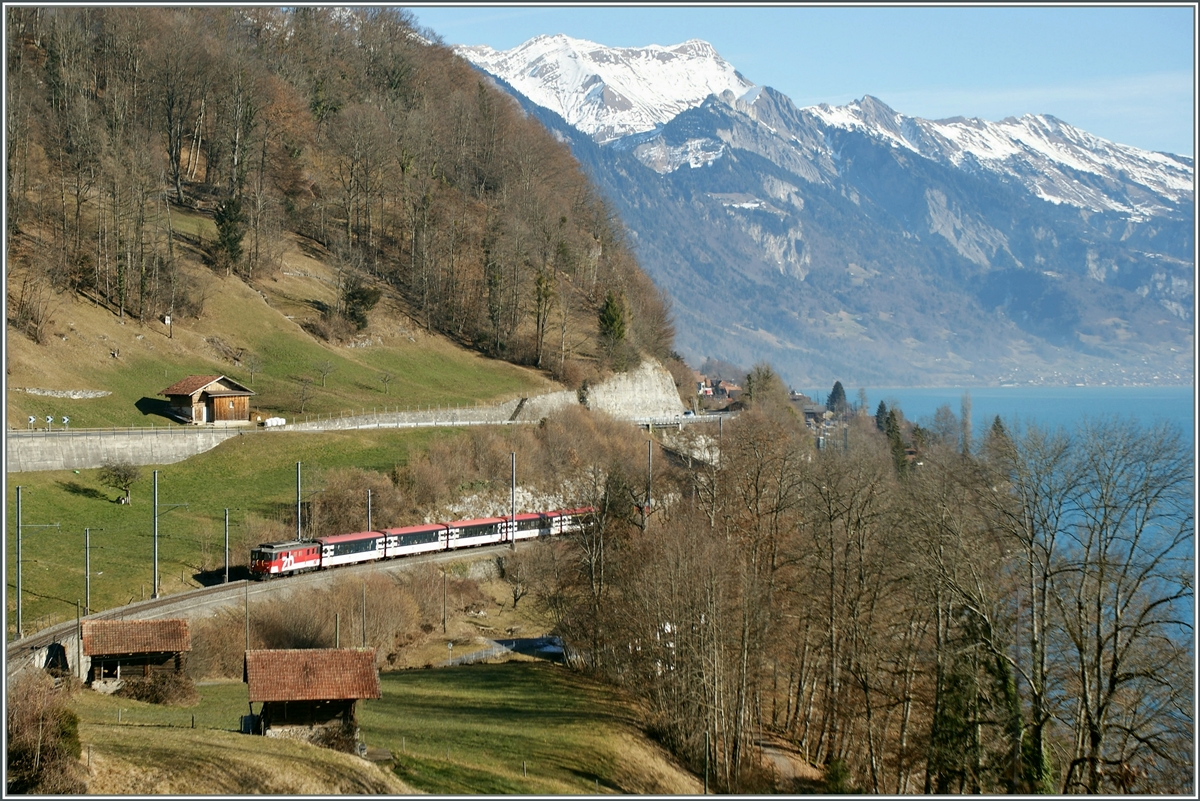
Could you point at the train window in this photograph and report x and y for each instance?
(419, 537)
(354, 546)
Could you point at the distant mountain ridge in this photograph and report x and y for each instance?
(858, 243)
(1045, 154)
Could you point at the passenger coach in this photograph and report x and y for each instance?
(295, 556)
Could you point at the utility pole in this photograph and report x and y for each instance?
(20, 628)
(364, 614)
(78, 643)
(227, 545)
(297, 500)
(369, 510)
(19, 633)
(513, 500)
(154, 589)
(87, 570)
(443, 600)
(649, 481)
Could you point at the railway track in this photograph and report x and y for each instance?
(206, 600)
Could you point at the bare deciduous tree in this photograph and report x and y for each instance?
(120, 476)
(305, 393)
(324, 367)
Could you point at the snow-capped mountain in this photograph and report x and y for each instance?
(1055, 161)
(611, 92)
(857, 243)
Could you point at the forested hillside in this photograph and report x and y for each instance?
(351, 129)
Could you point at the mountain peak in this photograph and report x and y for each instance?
(611, 92)
(1041, 151)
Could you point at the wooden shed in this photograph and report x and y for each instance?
(122, 649)
(303, 691)
(201, 399)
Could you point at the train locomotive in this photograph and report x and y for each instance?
(271, 559)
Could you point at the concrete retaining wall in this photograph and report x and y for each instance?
(72, 450)
(445, 415)
(543, 405)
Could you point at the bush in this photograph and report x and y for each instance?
(393, 620)
(337, 738)
(43, 738)
(168, 689)
(571, 373)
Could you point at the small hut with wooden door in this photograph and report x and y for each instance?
(310, 692)
(123, 649)
(200, 399)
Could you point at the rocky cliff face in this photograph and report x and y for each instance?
(646, 391)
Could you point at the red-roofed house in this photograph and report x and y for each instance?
(209, 399)
(303, 691)
(121, 649)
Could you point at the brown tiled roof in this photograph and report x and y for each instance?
(194, 383)
(312, 674)
(107, 637)
(190, 384)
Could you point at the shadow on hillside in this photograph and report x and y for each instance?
(211, 578)
(599, 782)
(75, 488)
(156, 407)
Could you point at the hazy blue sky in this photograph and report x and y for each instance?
(1126, 74)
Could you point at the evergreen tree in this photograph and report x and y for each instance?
(612, 329)
(881, 416)
(997, 442)
(836, 402)
(231, 228)
(896, 442)
(612, 319)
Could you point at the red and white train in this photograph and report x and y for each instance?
(296, 556)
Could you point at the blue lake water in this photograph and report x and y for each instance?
(1048, 407)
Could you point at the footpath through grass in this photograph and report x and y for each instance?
(520, 727)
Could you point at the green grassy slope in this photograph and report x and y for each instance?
(264, 320)
(573, 735)
(251, 474)
(469, 729)
(154, 750)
